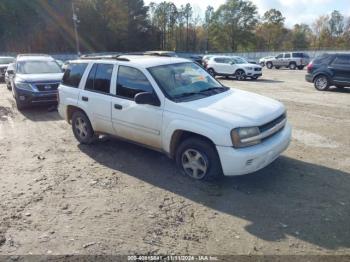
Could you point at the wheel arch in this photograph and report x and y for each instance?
(70, 111)
(180, 135)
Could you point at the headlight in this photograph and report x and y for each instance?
(249, 68)
(24, 86)
(244, 136)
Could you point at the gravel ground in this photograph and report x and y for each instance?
(58, 197)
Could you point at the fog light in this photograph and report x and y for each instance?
(22, 98)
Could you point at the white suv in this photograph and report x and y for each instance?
(174, 106)
(234, 66)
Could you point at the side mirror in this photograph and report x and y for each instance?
(10, 72)
(146, 98)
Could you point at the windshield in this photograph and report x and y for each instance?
(185, 80)
(6, 60)
(239, 60)
(38, 67)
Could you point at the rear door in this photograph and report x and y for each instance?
(287, 58)
(135, 122)
(219, 65)
(96, 99)
(340, 67)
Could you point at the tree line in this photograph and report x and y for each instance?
(130, 25)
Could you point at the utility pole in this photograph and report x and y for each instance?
(76, 22)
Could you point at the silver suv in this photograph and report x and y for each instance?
(290, 60)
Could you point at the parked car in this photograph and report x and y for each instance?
(174, 106)
(36, 80)
(289, 60)
(233, 66)
(10, 71)
(263, 60)
(328, 70)
(4, 63)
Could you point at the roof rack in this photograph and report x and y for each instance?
(100, 57)
(19, 55)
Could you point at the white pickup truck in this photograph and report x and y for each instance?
(174, 106)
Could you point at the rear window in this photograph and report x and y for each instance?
(73, 74)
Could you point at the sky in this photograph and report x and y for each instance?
(295, 11)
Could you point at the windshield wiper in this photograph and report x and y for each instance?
(217, 88)
(188, 94)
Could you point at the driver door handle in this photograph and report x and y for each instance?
(118, 107)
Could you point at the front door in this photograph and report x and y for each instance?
(135, 122)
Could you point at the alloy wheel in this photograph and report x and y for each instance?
(81, 127)
(194, 164)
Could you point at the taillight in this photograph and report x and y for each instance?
(309, 67)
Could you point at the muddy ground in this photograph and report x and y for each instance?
(59, 197)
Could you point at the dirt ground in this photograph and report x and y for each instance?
(59, 197)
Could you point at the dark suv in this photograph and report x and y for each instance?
(329, 70)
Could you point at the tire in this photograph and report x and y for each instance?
(277, 67)
(262, 64)
(19, 105)
(292, 66)
(321, 83)
(82, 128)
(198, 159)
(240, 75)
(301, 67)
(255, 77)
(211, 72)
(340, 87)
(269, 65)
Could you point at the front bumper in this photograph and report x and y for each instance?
(309, 78)
(253, 73)
(243, 161)
(26, 97)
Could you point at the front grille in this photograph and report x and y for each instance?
(51, 98)
(270, 125)
(47, 87)
(257, 69)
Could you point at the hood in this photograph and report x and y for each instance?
(31, 78)
(234, 108)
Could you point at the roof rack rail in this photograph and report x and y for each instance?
(33, 54)
(100, 57)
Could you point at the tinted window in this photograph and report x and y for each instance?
(279, 56)
(99, 78)
(300, 55)
(131, 81)
(219, 60)
(73, 74)
(287, 56)
(342, 60)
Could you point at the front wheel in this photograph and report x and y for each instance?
(240, 75)
(269, 65)
(321, 83)
(82, 128)
(198, 159)
(255, 77)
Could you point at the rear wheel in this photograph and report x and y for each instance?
(240, 75)
(321, 83)
(255, 77)
(198, 159)
(292, 66)
(277, 67)
(82, 128)
(211, 72)
(269, 65)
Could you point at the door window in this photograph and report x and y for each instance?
(73, 74)
(287, 56)
(99, 79)
(132, 81)
(279, 56)
(342, 60)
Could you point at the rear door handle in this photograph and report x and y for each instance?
(119, 107)
(84, 98)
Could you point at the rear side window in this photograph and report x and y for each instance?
(99, 78)
(287, 56)
(342, 60)
(73, 74)
(131, 81)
